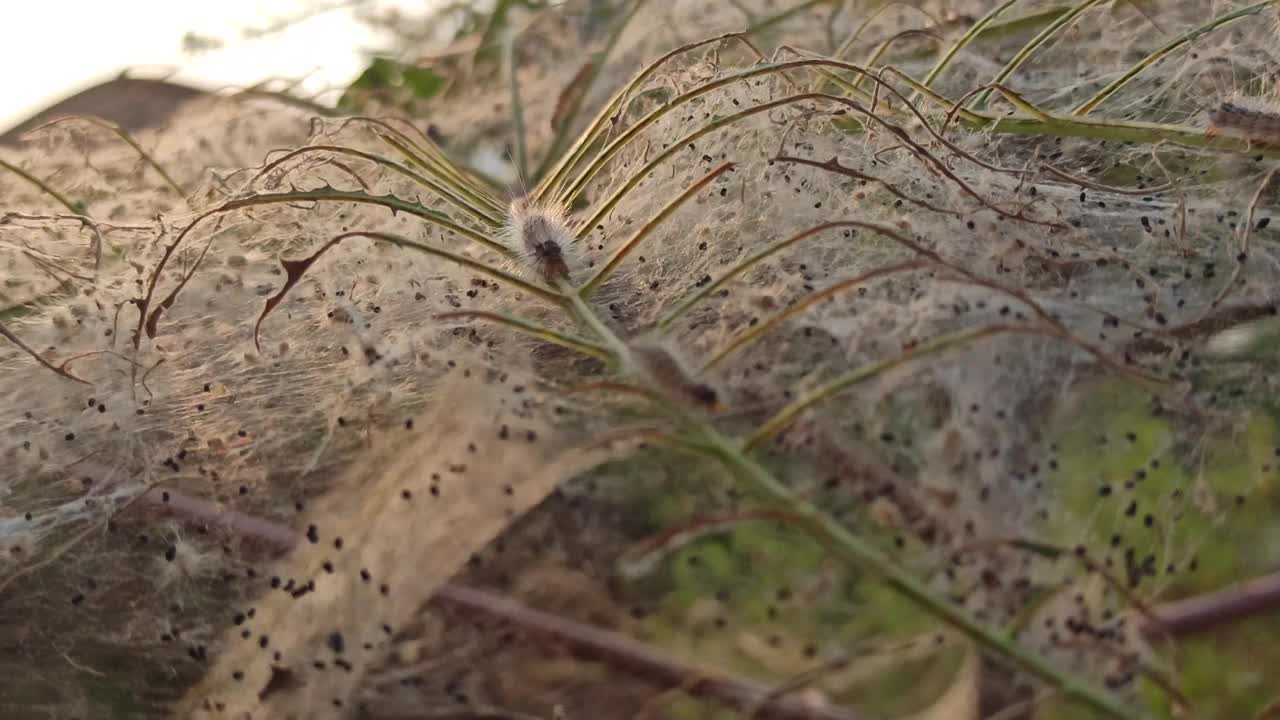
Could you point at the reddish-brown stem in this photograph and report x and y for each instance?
(587, 642)
(636, 657)
(1221, 607)
(1177, 618)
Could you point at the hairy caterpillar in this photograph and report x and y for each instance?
(1258, 126)
(544, 234)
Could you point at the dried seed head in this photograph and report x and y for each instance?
(544, 235)
(664, 370)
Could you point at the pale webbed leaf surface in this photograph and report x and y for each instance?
(1007, 356)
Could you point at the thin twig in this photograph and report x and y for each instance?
(8, 335)
(461, 711)
(642, 660)
(1243, 255)
(1178, 618)
(125, 137)
(206, 511)
(84, 220)
(1221, 607)
(834, 166)
(44, 187)
(1063, 175)
(1197, 330)
(1021, 708)
(585, 641)
(799, 682)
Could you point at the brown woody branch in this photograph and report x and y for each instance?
(1177, 618)
(584, 641)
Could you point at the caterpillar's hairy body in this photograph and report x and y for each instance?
(544, 235)
(1257, 125)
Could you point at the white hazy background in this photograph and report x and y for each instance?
(55, 48)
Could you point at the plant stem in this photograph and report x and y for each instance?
(974, 31)
(128, 140)
(603, 274)
(44, 187)
(853, 549)
(1193, 34)
(782, 15)
(1029, 49)
(556, 149)
(517, 111)
(450, 195)
(1055, 125)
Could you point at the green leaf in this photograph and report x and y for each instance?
(384, 74)
(849, 125)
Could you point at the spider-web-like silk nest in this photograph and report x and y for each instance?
(980, 461)
(355, 349)
(478, 466)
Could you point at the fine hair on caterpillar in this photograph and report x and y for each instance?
(544, 235)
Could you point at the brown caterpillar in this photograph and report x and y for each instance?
(1260, 127)
(544, 234)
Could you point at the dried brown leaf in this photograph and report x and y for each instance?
(400, 524)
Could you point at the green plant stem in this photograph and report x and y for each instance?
(448, 194)
(638, 177)
(805, 303)
(787, 415)
(469, 263)
(597, 61)
(586, 176)
(532, 329)
(622, 252)
(1030, 48)
(496, 23)
(1033, 21)
(43, 186)
(427, 155)
(842, 52)
(974, 31)
(848, 546)
(390, 202)
(477, 195)
(783, 15)
(585, 315)
(1051, 124)
(521, 159)
(1189, 36)
(609, 115)
(855, 550)
(150, 315)
(1145, 133)
(817, 63)
(888, 42)
(128, 140)
(740, 268)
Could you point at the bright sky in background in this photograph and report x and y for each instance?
(53, 48)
